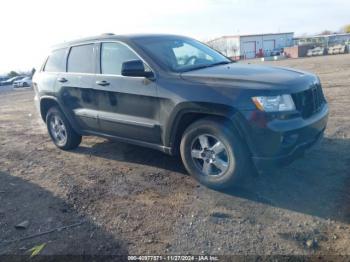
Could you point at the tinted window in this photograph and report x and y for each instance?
(81, 59)
(113, 55)
(181, 54)
(56, 61)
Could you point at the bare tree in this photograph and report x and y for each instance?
(12, 74)
(326, 32)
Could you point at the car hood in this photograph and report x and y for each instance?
(252, 76)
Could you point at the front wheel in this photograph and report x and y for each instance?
(214, 154)
(60, 130)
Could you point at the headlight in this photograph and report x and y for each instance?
(274, 103)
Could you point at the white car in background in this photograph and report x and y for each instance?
(24, 82)
(10, 81)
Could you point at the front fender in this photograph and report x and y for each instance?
(199, 109)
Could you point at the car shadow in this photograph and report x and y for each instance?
(21, 201)
(119, 151)
(316, 184)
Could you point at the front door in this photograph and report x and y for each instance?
(128, 106)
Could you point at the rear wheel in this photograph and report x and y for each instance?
(60, 130)
(214, 154)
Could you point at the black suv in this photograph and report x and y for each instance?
(175, 94)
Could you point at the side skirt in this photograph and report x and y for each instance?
(164, 149)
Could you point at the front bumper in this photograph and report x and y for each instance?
(277, 142)
(265, 163)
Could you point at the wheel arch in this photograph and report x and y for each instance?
(187, 116)
(46, 102)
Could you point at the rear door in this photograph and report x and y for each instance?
(128, 106)
(76, 86)
(45, 80)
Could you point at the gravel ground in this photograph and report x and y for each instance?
(131, 200)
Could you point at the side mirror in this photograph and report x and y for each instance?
(135, 68)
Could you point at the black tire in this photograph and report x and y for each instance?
(235, 153)
(72, 139)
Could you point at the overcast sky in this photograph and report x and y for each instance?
(29, 28)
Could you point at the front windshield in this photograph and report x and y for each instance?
(181, 54)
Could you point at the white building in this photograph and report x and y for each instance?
(251, 46)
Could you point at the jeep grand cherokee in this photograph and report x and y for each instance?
(177, 95)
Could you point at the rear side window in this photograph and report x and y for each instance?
(56, 61)
(81, 59)
(113, 55)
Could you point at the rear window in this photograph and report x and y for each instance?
(81, 59)
(56, 61)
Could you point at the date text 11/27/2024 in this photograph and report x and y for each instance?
(174, 258)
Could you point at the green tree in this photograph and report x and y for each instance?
(12, 74)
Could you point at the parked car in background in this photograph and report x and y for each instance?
(3, 78)
(276, 52)
(337, 49)
(24, 82)
(317, 51)
(179, 96)
(11, 80)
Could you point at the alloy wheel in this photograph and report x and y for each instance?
(58, 130)
(209, 155)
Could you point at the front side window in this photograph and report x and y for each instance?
(81, 59)
(113, 55)
(181, 54)
(56, 61)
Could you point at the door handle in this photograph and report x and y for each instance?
(102, 83)
(62, 80)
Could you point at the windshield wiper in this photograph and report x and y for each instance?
(209, 65)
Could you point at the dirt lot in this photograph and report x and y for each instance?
(132, 200)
